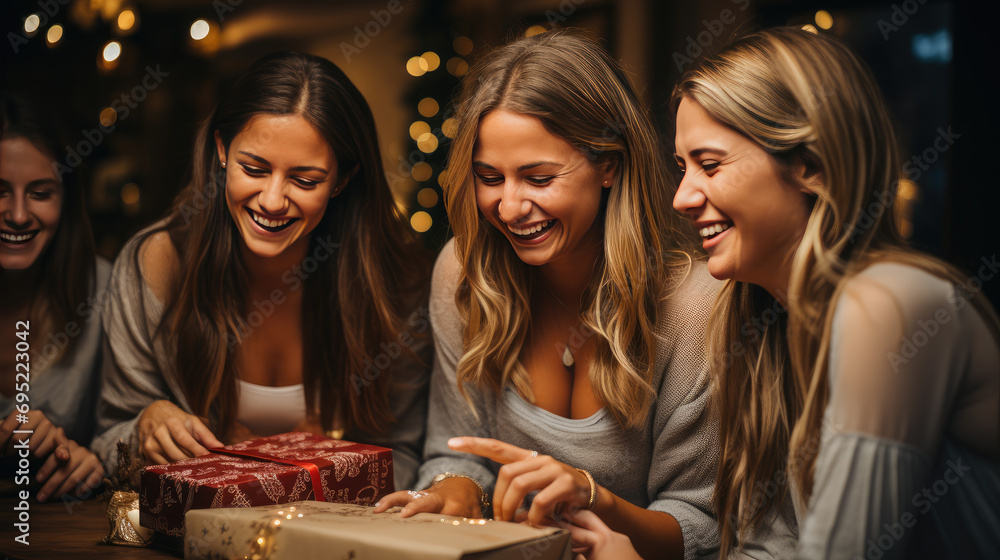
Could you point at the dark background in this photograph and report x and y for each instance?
(935, 61)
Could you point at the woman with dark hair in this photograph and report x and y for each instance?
(51, 280)
(282, 292)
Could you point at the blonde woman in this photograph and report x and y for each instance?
(563, 313)
(885, 372)
(856, 379)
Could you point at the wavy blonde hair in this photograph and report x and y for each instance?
(568, 82)
(804, 98)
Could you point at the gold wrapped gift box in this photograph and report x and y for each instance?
(327, 530)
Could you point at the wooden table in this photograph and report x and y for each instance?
(65, 530)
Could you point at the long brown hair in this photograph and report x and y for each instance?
(66, 269)
(580, 94)
(356, 297)
(800, 96)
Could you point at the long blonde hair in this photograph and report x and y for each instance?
(580, 94)
(802, 97)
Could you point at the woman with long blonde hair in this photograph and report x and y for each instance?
(857, 381)
(569, 327)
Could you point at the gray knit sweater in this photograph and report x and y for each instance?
(667, 465)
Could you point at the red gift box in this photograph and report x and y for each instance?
(272, 470)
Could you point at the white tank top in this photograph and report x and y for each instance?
(267, 411)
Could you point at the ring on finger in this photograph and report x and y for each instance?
(534, 454)
(416, 495)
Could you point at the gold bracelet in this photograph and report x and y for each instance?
(593, 489)
(484, 502)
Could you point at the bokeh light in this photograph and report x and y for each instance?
(421, 221)
(432, 60)
(428, 107)
(54, 35)
(130, 193)
(416, 66)
(427, 197)
(824, 20)
(108, 117)
(31, 24)
(199, 30)
(418, 129)
(462, 45)
(112, 51)
(421, 171)
(427, 143)
(126, 20)
(450, 127)
(457, 66)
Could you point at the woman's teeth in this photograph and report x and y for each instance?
(17, 238)
(534, 229)
(713, 230)
(271, 224)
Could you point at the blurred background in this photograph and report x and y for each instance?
(133, 80)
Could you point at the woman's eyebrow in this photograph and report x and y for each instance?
(521, 168)
(298, 168)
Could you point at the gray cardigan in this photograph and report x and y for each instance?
(140, 369)
(667, 465)
(66, 391)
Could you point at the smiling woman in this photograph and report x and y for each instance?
(874, 377)
(279, 275)
(50, 279)
(569, 325)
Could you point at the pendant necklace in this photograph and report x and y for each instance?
(567, 355)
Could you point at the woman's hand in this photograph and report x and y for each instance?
(169, 434)
(239, 433)
(523, 472)
(71, 466)
(67, 465)
(311, 425)
(594, 540)
(455, 495)
(41, 443)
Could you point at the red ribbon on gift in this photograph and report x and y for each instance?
(311, 468)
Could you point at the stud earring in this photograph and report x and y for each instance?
(223, 165)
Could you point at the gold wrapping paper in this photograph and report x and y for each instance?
(122, 531)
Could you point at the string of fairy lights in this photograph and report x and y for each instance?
(425, 136)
